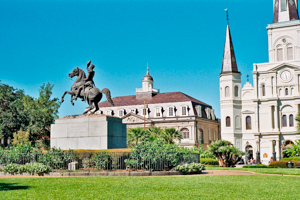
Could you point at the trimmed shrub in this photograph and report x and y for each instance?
(209, 161)
(192, 168)
(257, 166)
(30, 168)
(283, 163)
(10, 168)
(21, 169)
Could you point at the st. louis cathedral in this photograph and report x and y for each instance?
(260, 118)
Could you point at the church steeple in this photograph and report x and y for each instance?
(285, 10)
(229, 61)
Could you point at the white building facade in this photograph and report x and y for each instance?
(260, 119)
(193, 118)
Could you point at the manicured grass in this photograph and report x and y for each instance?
(181, 187)
(284, 171)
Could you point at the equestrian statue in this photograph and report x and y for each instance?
(85, 89)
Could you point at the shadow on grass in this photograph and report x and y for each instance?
(12, 186)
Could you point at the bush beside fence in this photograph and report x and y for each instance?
(107, 161)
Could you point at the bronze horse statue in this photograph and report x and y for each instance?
(90, 94)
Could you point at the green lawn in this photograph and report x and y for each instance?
(285, 171)
(181, 187)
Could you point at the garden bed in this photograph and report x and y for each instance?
(119, 173)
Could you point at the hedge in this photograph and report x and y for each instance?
(283, 163)
(257, 166)
(209, 161)
(292, 158)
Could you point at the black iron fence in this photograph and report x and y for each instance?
(102, 161)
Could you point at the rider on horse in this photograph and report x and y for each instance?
(88, 81)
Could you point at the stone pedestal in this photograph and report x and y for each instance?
(92, 132)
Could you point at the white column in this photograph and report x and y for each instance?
(2, 141)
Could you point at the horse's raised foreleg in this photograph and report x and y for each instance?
(70, 93)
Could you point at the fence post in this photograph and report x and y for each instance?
(106, 162)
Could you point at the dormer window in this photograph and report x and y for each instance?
(184, 110)
(108, 112)
(121, 113)
(133, 111)
(171, 112)
(144, 112)
(158, 112)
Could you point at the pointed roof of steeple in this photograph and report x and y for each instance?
(147, 77)
(285, 10)
(229, 61)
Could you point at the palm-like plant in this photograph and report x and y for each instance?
(154, 133)
(225, 152)
(169, 135)
(135, 135)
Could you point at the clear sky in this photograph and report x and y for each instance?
(182, 40)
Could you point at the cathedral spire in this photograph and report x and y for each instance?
(285, 10)
(229, 61)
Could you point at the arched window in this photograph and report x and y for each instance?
(290, 55)
(248, 123)
(236, 91)
(291, 119)
(185, 133)
(263, 90)
(284, 122)
(227, 94)
(227, 121)
(286, 91)
(209, 136)
(237, 121)
(280, 54)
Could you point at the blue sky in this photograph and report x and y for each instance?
(182, 40)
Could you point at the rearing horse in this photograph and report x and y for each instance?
(92, 95)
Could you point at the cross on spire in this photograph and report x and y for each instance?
(226, 10)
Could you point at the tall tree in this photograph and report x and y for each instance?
(41, 112)
(12, 114)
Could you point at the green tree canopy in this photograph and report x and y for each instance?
(12, 114)
(41, 112)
